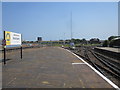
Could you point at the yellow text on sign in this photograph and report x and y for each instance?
(7, 38)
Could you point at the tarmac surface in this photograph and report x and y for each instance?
(48, 67)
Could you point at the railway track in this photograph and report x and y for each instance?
(107, 66)
(112, 61)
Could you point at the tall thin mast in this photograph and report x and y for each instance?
(71, 26)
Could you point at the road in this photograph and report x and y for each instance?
(49, 67)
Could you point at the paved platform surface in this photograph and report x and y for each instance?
(49, 67)
(110, 49)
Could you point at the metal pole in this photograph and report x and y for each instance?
(71, 26)
(21, 46)
(64, 38)
(4, 55)
(4, 51)
(21, 52)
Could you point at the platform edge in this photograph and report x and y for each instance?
(106, 79)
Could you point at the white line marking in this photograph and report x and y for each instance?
(109, 81)
(78, 63)
(11, 81)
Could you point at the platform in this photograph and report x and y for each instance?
(49, 67)
(108, 51)
(115, 50)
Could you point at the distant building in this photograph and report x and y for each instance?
(39, 38)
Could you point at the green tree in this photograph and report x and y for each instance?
(111, 43)
(77, 41)
(105, 43)
(84, 41)
(94, 41)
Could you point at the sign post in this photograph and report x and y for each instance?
(4, 55)
(12, 38)
(21, 52)
(21, 47)
(4, 46)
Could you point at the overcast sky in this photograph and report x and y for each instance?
(51, 20)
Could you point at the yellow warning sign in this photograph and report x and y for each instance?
(7, 38)
(12, 38)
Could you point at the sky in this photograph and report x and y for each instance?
(0, 20)
(52, 20)
(119, 18)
